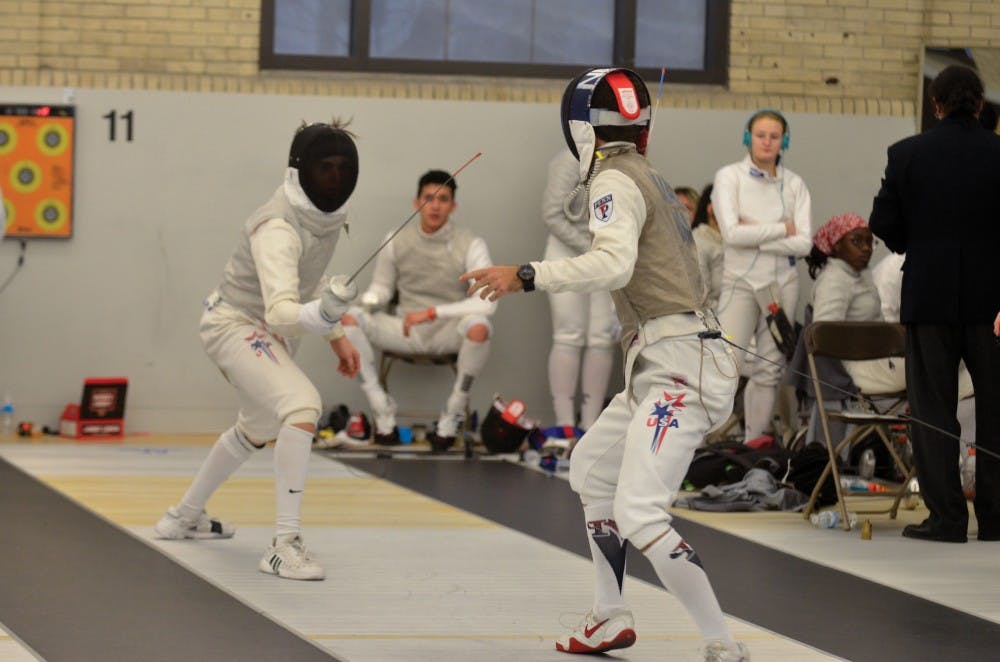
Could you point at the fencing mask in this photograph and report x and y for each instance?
(327, 161)
(603, 97)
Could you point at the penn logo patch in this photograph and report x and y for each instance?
(604, 208)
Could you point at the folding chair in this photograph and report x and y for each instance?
(857, 341)
(389, 358)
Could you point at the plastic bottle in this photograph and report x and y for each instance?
(7, 416)
(859, 484)
(830, 519)
(969, 474)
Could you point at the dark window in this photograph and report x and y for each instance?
(539, 38)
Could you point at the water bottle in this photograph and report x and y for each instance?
(830, 519)
(7, 416)
(969, 474)
(859, 484)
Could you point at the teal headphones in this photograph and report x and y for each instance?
(786, 136)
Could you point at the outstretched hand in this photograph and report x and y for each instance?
(350, 359)
(493, 282)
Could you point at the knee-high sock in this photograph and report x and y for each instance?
(594, 377)
(291, 463)
(681, 573)
(228, 454)
(564, 367)
(383, 407)
(369, 374)
(758, 405)
(607, 547)
(472, 357)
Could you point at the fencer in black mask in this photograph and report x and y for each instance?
(326, 159)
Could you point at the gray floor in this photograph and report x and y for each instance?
(437, 560)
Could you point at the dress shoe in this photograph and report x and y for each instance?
(989, 535)
(927, 531)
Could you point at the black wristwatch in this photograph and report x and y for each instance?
(526, 273)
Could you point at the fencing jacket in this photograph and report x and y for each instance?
(758, 250)
(281, 257)
(643, 250)
(424, 269)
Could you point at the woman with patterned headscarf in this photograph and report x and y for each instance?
(845, 291)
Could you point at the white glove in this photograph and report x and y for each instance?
(337, 298)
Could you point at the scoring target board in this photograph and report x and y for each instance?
(36, 169)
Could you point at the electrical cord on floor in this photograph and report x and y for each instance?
(17, 267)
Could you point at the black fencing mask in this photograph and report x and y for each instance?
(327, 161)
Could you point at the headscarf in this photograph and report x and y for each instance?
(835, 229)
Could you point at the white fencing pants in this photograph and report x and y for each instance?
(585, 331)
(637, 452)
(271, 389)
(741, 318)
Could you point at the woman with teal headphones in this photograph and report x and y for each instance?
(765, 218)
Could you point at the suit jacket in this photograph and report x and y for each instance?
(940, 205)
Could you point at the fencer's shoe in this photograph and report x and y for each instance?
(383, 411)
(449, 423)
(389, 439)
(718, 651)
(596, 635)
(440, 444)
(174, 527)
(287, 557)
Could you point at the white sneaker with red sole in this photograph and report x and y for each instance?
(596, 635)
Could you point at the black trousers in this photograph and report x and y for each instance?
(933, 352)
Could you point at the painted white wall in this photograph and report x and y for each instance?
(156, 218)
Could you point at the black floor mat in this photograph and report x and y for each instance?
(74, 587)
(833, 611)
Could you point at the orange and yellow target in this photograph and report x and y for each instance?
(36, 169)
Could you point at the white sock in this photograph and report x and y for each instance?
(607, 548)
(383, 407)
(291, 463)
(228, 454)
(594, 377)
(369, 374)
(472, 357)
(758, 405)
(680, 571)
(564, 367)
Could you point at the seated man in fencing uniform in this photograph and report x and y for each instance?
(434, 316)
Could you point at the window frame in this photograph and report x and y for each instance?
(715, 72)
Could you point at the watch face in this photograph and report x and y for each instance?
(526, 272)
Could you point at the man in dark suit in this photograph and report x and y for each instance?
(940, 205)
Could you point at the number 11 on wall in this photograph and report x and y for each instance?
(112, 118)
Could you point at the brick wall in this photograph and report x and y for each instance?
(839, 56)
